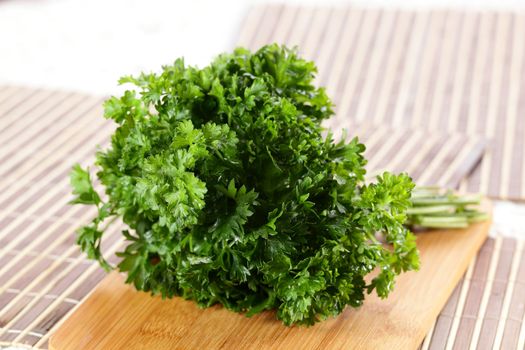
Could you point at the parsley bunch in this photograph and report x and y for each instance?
(232, 195)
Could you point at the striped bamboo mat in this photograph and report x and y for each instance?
(441, 70)
(487, 308)
(42, 274)
(426, 156)
(42, 133)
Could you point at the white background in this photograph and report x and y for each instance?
(87, 45)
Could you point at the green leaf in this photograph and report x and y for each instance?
(82, 187)
(231, 193)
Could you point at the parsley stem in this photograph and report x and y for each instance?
(433, 207)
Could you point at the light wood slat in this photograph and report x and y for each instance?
(517, 68)
(463, 78)
(494, 174)
(508, 295)
(413, 63)
(348, 84)
(330, 40)
(439, 159)
(315, 21)
(459, 308)
(401, 161)
(443, 324)
(13, 102)
(498, 67)
(428, 64)
(251, 22)
(443, 177)
(270, 19)
(481, 64)
(43, 203)
(448, 53)
(431, 158)
(463, 164)
(34, 254)
(316, 40)
(377, 60)
(516, 313)
(288, 18)
(47, 296)
(496, 300)
(521, 341)
(298, 30)
(394, 69)
(339, 61)
(517, 175)
(428, 338)
(7, 92)
(387, 144)
(374, 140)
(486, 294)
(474, 298)
(21, 107)
(52, 274)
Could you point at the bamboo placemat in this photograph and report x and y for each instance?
(42, 274)
(487, 308)
(422, 154)
(43, 133)
(440, 70)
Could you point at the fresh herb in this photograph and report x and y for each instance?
(434, 207)
(232, 195)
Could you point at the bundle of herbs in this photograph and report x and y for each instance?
(232, 194)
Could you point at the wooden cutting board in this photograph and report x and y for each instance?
(115, 316)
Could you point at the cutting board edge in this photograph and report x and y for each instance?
(457, 277)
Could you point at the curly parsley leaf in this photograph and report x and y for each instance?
(232, 194)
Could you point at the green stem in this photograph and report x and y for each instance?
(432, 207)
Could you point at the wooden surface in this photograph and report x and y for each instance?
(116, 316)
